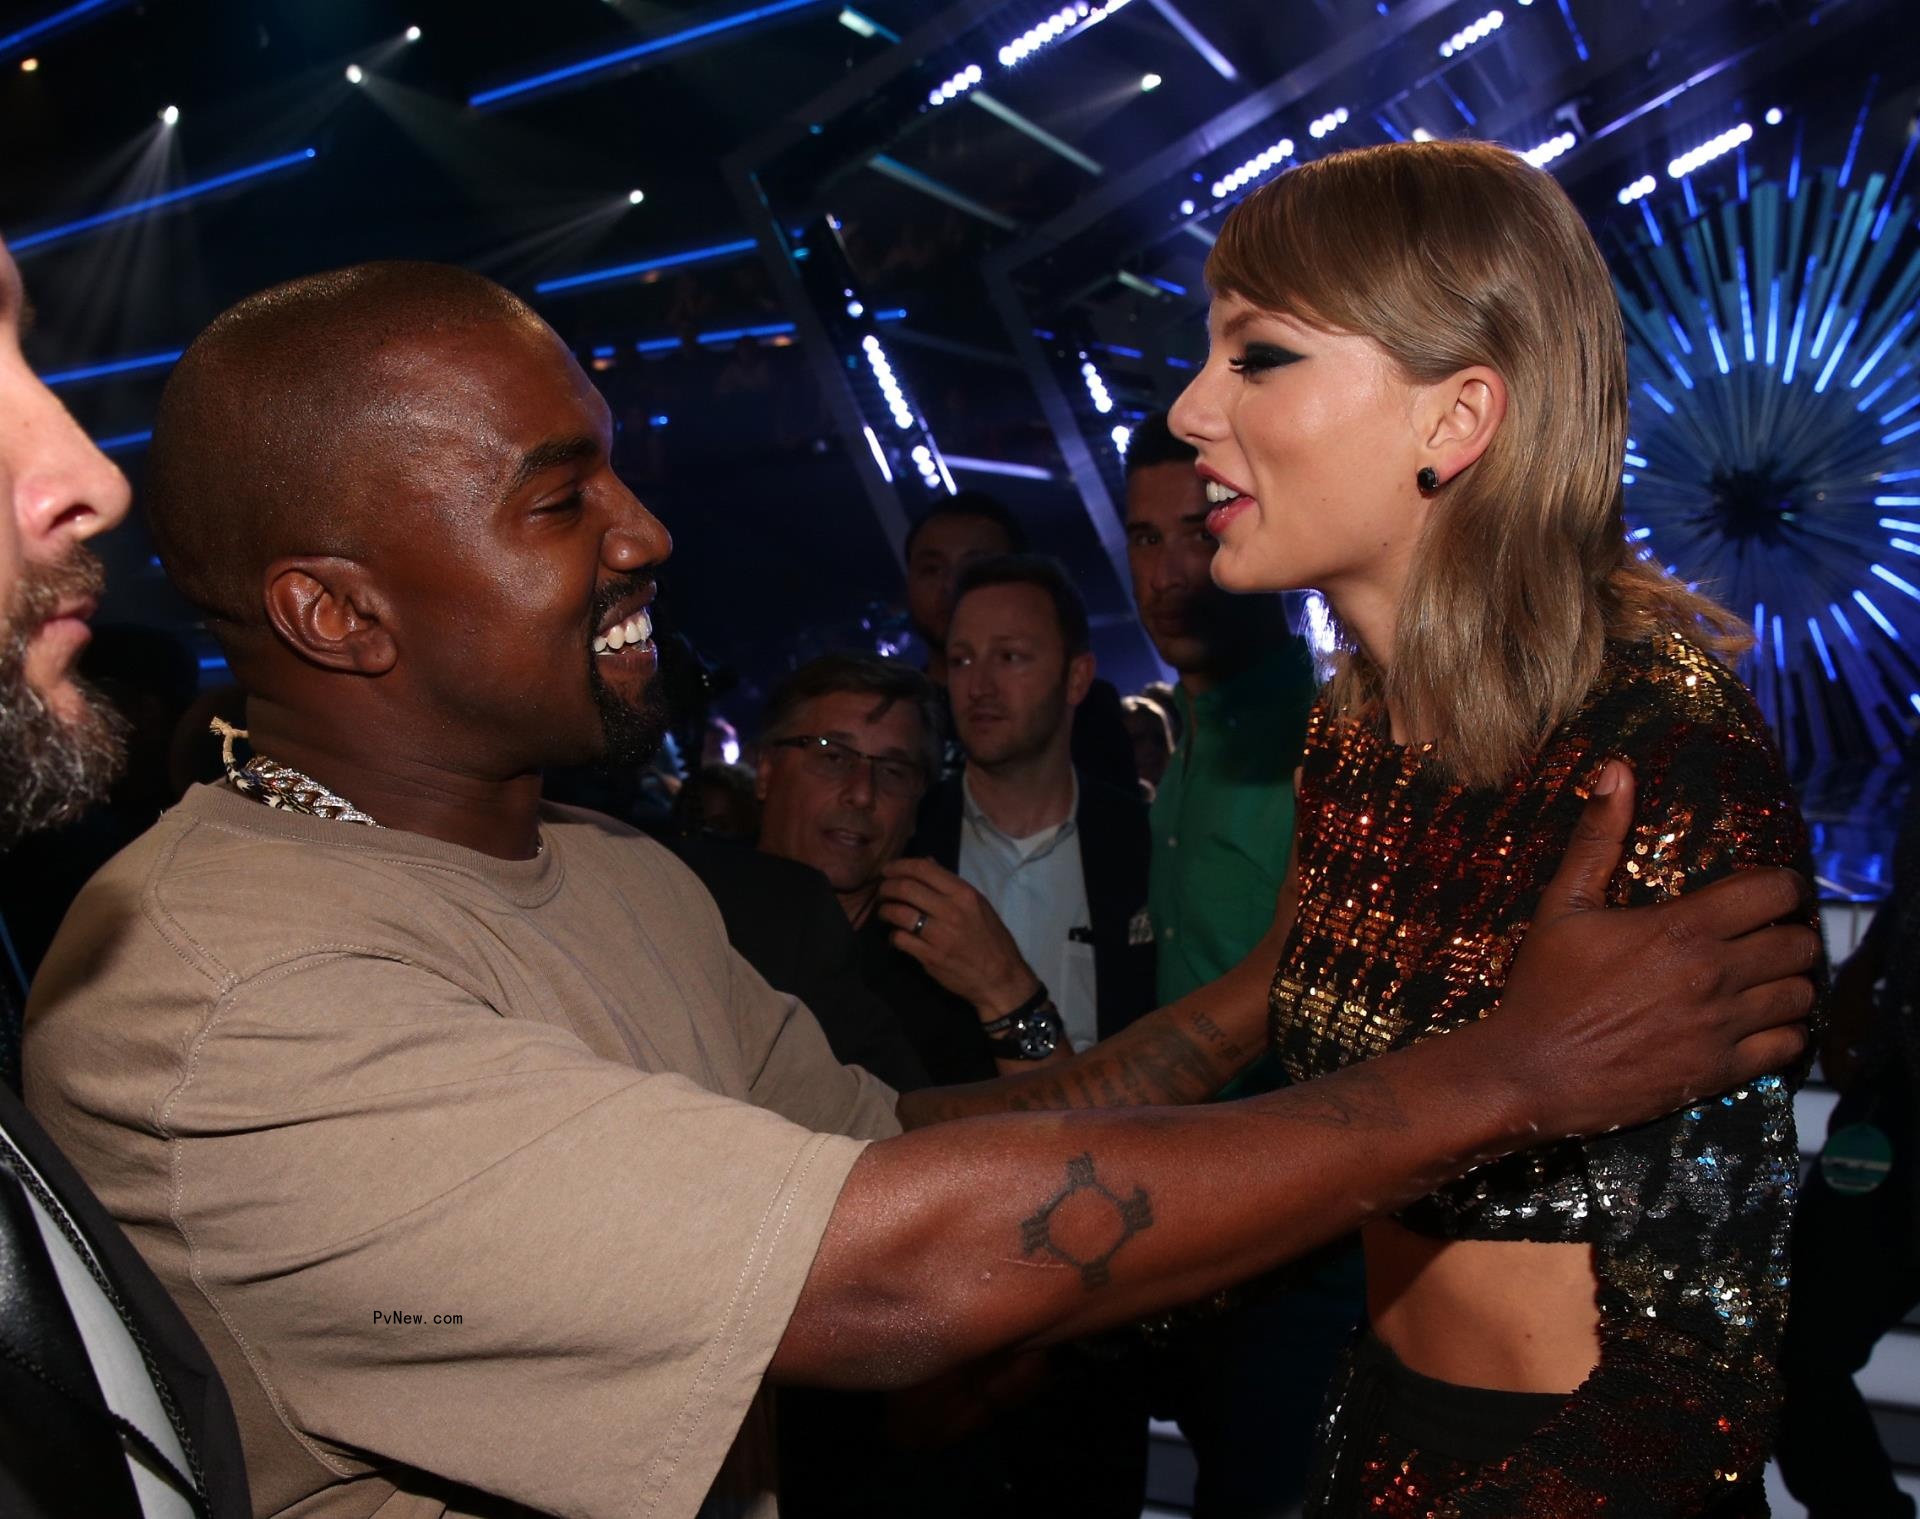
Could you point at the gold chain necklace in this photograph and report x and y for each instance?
(279, 785)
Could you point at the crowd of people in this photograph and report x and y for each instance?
(980, 1062)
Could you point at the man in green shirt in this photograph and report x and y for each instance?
(1223, 814)
(1245, 1385)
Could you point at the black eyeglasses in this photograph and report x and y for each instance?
(831, 759)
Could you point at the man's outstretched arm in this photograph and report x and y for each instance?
(1019, 1229)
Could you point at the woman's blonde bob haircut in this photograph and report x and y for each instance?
(1448, 255)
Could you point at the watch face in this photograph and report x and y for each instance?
(1037, 1039)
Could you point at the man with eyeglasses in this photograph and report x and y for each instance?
(849, 746)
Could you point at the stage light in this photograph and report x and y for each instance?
(29, 65)
(1149, 81)
(634, 197)
(855, 309)
(1096, 386)
(889, 386)
(646, 266)
(355, 73)
(157, 202)
(1774, 116)
(602, 63)
(1325, 124)
(1465, 38)
(1122, 435)
(413, 34)
(1186, 208)
(972, 466)
(1261, 163)
(169, 115)
(1545, 153)
(1068, 20)
(1421, 134)
(112, 367)
(958, 85)
(1645, 185)
(1725, 143)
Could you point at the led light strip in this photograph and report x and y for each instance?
(1465, 38)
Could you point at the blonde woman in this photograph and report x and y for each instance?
(1416, 402)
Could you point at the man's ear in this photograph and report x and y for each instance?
(1459, 417)
(1080, 673)
(328, 611)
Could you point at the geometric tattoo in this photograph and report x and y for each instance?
(1102, 1222)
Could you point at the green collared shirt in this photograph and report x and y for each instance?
(1223, 818)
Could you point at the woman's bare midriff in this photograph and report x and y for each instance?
(1511, 1315)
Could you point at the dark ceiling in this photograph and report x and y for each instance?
(1056, 209)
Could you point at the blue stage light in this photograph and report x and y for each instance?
(735, 334)
(113, 367)
(710, 254)
(1545, 153)
(16, 41)
(1465, 38)
(656, 345)
(1006, 467)
(1761, 473)
(573, 73)
(124, 442)
(148, 203)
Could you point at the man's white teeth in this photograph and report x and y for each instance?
(1220, 495)
(637, 629)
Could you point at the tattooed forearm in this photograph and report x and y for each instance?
(1356, 1098)
(1086, 1224)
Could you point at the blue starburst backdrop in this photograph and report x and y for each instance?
(1774, 351)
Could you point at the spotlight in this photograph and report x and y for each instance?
(634, 197)
(1640, 188)
(1465, 38)
(856, 309)
(1726, 142)
(169, 115)
(29, 65)
(1122, 435)
(355, 73)
(1421, 134)
(1186, 208)
(1773, 118)
(1545, 153)
(1149, 81)
(413, 34)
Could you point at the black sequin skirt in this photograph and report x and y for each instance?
(1393, 1443)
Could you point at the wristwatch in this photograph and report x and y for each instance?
(1032, 1031)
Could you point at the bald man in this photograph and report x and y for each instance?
(486, 1169)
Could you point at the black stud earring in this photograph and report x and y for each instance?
(1428, 480)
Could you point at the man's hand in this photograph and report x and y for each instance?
(1613, 1017)
(962, 942)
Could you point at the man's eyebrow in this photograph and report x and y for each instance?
(551, 455)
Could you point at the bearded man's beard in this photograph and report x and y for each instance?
(52, 768)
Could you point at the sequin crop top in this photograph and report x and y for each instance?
(1415, 893)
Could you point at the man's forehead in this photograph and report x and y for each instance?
(949, 535)
(862, 714)
(499, 390)
(1161, 495)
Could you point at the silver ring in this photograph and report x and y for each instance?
(918, 924)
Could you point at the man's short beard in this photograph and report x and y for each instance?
(632, 734)
(51, 768)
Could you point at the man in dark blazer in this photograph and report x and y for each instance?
(109, 1406)
(1061, 856)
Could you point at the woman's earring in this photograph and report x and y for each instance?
(1428, 480)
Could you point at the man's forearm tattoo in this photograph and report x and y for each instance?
(1086, 1224)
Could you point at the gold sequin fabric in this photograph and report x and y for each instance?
(1415, 894)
